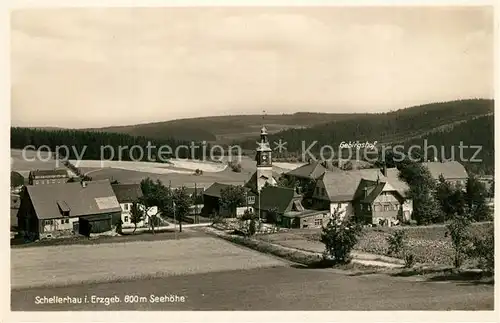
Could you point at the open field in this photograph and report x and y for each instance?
(74, 264)
(31, 160)
(177, 172)
(279, 288)
(225, 129)
(427, 243)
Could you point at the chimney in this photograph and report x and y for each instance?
(298, 189)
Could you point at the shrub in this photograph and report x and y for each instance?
(483, 249)
(198, 172)
(396, 242)
(458, 230)
(235, 166)
(340, 237)
(252, 227)
(248, 215)
(409, 260)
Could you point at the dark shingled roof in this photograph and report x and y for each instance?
(450, 170)
(279, 197)
(215, 189)
(96, 198)
(127, 193)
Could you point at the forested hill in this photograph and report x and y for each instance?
(93, 143)
(476, 137)
(392, 127)
(224, 129)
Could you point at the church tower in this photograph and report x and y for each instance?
(263, 158)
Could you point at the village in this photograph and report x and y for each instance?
(55, 205)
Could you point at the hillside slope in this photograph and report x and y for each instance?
(224, 129)
(476, 136)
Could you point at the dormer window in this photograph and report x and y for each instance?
(63, 208)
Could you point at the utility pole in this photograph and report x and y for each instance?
(195, 204)
(246, 195)
(175, 230)
(258, 191)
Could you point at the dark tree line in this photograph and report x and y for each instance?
(96, 144)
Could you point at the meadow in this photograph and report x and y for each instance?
(75, 264)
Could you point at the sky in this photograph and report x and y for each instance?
(79, 67)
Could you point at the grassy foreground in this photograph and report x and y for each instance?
(429, 244)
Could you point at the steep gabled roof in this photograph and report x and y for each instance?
(278, 197)
(216, 188)
(127, 193)
(252, 182)
(373, 190)
(449, 170)
(342, 185)
(392, 177)
(95, 198)
(312, 170)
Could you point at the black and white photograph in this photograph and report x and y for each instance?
(251, 158)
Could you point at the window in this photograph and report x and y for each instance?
(63, 221)
(251, 199)
(361, 207)
(53, 181)
(369, 207)
(318, 222)
(48, 222)
(126, 207)
(387, 208)
(125, 219)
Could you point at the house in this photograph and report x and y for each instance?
(392, 177)
(452, 171)
(336, 191)
(286, 202)
(212, 200)
(376, 201)
(54, 210)
(53, 176)
(127, 195)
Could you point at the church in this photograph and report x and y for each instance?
(264, 173)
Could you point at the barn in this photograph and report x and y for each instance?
(53, 210)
